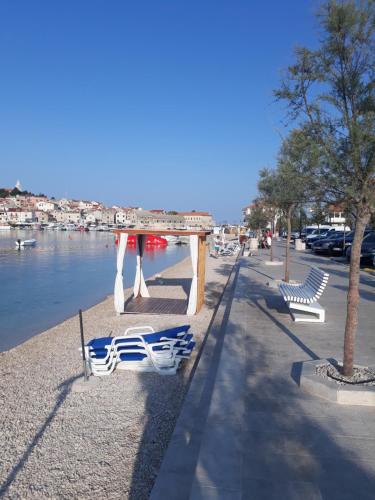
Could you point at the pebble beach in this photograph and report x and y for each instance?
(106, 442)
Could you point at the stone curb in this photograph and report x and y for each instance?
(330, 390)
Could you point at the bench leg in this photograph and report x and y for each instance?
(307, 313)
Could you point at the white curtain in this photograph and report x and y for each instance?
(119, 285)
(193, 297)
(140, 287)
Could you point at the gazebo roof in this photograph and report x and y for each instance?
(163, 232)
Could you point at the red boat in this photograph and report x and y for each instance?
(152, 241)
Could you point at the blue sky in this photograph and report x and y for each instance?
(159, 104)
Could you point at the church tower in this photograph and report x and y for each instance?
(18, 185)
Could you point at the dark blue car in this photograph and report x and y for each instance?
(367, 249)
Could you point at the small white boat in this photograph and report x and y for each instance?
(25, 243)
(4, 227)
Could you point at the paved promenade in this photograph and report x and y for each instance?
(247, 431)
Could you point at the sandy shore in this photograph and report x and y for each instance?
(107, 442)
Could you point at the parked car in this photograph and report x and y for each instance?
(317, 235)
(294, 235)
(307, 230)
(340, 245)
(324, 245)
(367, 249)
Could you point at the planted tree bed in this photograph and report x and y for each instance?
(362, 375)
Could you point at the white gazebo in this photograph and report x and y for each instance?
(141, 302)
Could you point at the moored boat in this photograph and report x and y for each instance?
(25, 243)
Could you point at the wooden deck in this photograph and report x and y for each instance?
(154, 305)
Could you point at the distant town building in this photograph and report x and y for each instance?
(196, 220)
(66, 217)
(126, 217)
(18, 216)
(46, 205)
(246, 211)
(336, 215)
(42, 217)
(28, 208)
(148, 219)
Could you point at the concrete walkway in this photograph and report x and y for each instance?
(246, 430)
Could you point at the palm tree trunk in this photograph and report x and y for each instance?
(287, 254)
(353, 295)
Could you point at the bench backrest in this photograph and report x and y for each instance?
(317, 280)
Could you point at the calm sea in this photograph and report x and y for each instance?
(43, 285)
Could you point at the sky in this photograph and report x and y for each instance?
(155, 103)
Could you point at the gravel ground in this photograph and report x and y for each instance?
(107, 442)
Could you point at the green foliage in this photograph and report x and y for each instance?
(331, 92)
(319, 213)
(299, 219)
(4, 193)
(258, 218)
(292, 183)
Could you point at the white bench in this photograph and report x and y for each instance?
(305, 297)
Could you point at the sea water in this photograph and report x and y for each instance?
(66, 270)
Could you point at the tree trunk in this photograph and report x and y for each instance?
(288, 238)
(353, 295)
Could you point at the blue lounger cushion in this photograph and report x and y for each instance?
(186, 350)
(185, 340)
(153, 338)
(98, 354)
(170, 333)
(180, 344)
(132, 356)
(126, 340)
(100, 343)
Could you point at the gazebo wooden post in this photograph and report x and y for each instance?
(201, 271)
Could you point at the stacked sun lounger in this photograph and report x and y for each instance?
(140, 349)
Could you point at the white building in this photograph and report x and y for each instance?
(3, 216)
(126, 216)
(41, 216)
(66, 217)
(335, 215)
(88, 205)
(17, 216)
(45, 206)
(104, 216)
